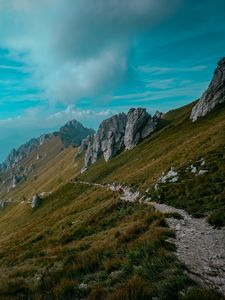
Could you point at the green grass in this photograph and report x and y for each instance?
(84, 243)
(179, 144)
(85, 235)
(200, 195)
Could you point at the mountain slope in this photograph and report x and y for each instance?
(85, 241)
(179, 144)
(42, 164)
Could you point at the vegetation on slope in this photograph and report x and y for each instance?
(198, 194)
(54, 168)
(83, 242)
(179, 144)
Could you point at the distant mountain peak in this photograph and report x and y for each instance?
(73, 132)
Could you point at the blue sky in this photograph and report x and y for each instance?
(65, 59)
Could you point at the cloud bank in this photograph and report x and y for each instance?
(77, 48)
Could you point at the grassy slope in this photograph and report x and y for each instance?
(84, 235)
(179, 144)
(54, 169)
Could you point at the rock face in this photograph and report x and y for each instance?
(118, 133)
(73, 132)
(214, 95)
(139, 125)
(109, 140)
(84, 146)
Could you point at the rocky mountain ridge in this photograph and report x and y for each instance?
(115, 134)
(213, 96)
(71, 134)
(121, 131)
(25, 162)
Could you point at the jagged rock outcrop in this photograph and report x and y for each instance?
(22, 152)
(16, 180)
(118, 133)
(139, 125)
(213, 96)
(84, 146)
(73, 132)
(109, 140)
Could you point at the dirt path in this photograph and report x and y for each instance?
(199, 246)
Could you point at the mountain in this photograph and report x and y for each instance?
(213, 96)
(28, 163)
(73, 132)
(118, 133)
(145, 221)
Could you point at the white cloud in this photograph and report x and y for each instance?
(77, 48)
(37, 118)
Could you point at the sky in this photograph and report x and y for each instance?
(88, 60)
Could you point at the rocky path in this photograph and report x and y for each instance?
(199, 246)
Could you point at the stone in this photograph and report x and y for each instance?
(202, 172)
(171, 176)
(2, 204)
(193, 169)
(35, 201)
(116, 274)
(83, 286)
(213, 96)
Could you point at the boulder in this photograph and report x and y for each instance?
(35, 201)
(213, 96)
(2, 204)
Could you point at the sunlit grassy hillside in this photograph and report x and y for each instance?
(84, 243)
(180, 143)
(54, 168)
